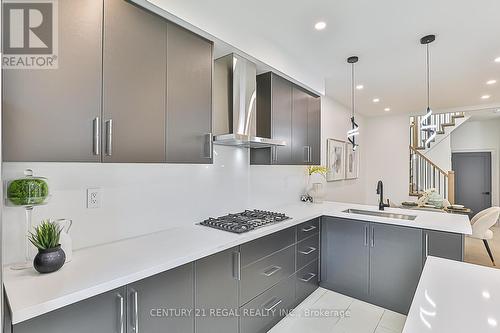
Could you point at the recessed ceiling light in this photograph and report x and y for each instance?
(492, 322)
(387, 109)
(376, 100)
(485, 96)
(360, 87)
(497, 111)
(320, 25)
(491, 81)
(497, 59)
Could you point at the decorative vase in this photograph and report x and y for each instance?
(49, 260)
(317, 193)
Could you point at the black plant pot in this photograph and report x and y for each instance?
(50, 260)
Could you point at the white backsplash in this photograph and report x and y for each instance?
(135, 198)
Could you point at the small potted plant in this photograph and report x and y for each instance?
(45, 238)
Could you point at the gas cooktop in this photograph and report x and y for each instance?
(245, 221)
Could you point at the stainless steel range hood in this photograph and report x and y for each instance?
(235, 96)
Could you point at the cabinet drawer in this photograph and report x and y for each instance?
(265, 273)
(259, 248)
(306, 281)
(307, 251)
(307, 229)
(265, 311)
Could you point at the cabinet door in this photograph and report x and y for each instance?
(395, 265)
(49, 115)
(189, 97)
(314, 130)
(281, 120)
(102, 313)
(444, 245)
(301, 151)
(162, 303)
(344, 256)
(216, 281)
(134, 84)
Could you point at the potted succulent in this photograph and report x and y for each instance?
(45, 238)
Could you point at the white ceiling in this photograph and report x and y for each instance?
(383, 33)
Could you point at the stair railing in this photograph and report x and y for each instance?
(441, 120)
(424, 175)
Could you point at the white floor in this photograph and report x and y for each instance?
(326, 311)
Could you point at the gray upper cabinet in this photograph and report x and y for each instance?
(134, 64)
(345, 256)
(49, 115)
(131, 87)
(289, 113)
(216, 285)
(314, 130)
(444, 245)
(148, 300)
(189, 97)
(395, 265)
(300, 149)
(103, 313)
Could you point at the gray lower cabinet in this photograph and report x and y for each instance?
(444, 245)
(263, 312)
(345, 256)
(377, 263)
(189, 97)
(216, 292)
(102, 313)
(162, 303)
(49, 115)
(395, 265)
(134, 84)
(306, 281)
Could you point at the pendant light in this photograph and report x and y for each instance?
(426, 123)
(354, 131)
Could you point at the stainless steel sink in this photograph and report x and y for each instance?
(381, 214)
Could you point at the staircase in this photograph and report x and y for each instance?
(424, 173)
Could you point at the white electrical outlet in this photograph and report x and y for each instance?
(93, 197)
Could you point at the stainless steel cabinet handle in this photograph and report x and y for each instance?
(209, 145)
(109, 137)
(426, 245)
(373, 237)
(311, 276)
(96, 136)
(311, 250)
(274, 154)
(273, 300)
(309, 156)
(237, 265)
(135, 311)
(366, 235)
(272, 270)
(309, 228)
(121, 299)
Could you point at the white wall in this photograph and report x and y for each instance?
(387, 157)
(483, 135)
(144, 198)
(440, 154)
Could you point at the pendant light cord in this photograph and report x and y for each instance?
(428, 78)
(353, 89)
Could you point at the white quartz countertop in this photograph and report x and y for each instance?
(455, 297)
(103, 268)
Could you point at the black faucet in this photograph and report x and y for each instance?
(380, 191)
